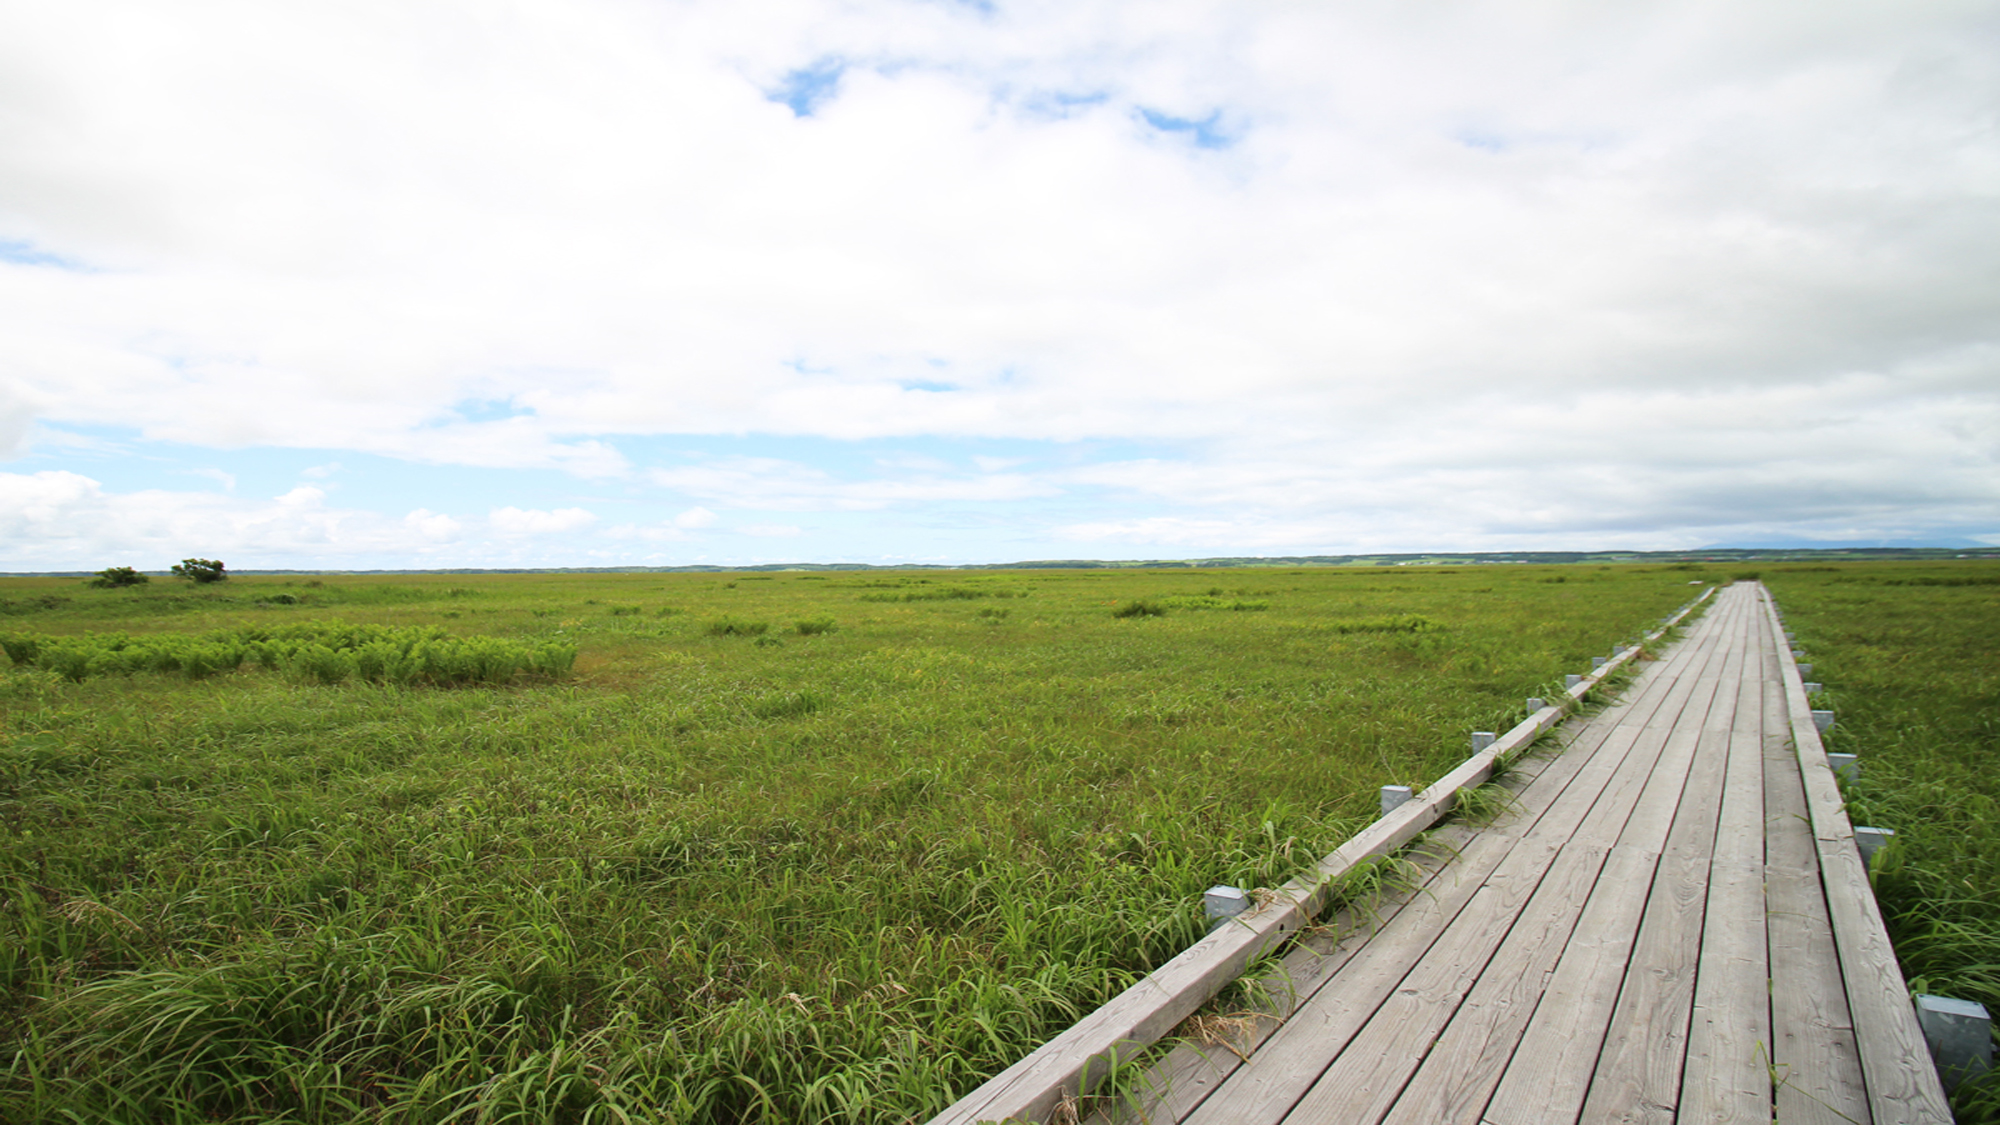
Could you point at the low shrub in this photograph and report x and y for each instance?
(731, 627)
(320, 652)
(114, 577)
(1400, 623)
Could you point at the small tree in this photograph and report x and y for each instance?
(200, 570)
(112, 577)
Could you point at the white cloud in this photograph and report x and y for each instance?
(771, 484)
(66, 521)
(1471, 271)
(519, 521)
(696, 517)
(432, 526)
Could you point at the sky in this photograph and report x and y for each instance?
(519, 283)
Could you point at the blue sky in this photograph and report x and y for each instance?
(623, 282)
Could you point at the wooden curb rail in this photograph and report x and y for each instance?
(1896, 1066)
(1082, 1057)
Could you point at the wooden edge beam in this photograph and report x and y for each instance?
(1903, 1085)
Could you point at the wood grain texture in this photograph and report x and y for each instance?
(1902, 1082)
(1639, 1072)
(1728, 1076)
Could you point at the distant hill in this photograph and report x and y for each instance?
(1880, 545)
(1778, 550)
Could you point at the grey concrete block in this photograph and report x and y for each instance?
(1960, 1034)
(1223, 902)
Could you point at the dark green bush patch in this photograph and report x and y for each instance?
(1400, 623)
(314, 652)
(732, 627)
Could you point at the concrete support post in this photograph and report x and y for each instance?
(1870, 841)
(1823, 720)
(1394, 797)
(1805, 669)
(1960, 1034)
(1572, 680)
(1221, 903)
(1536, 703)
(1814, 687)
(1597, 662)
(1481, 739)
(1845, 766)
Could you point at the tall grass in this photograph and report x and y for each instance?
(1906, 652)
(843, 878)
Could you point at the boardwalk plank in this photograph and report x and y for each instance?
(1367, 1077)
(1817, 1068)
(1497, 995)
(1467, 1062)
(1550, 1076)
(1638, 1074)
(1728, 1077)
(1902, 1083)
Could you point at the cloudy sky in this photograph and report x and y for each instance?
(409, 283)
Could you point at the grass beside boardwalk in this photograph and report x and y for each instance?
(1908, 656)
(779, 847)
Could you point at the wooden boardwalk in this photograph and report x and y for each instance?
(1658, 929)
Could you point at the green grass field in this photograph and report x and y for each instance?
(777, 847)
(1910, 656)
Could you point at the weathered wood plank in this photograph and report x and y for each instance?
(1178, 1084)
(1550, 1075)
(1551, 1065)
(1437, 1059)
(1467, 1062)
(1815, 1067)
(1270, 1082)
(1638, 1074)
(1902, 1083)
(1728, 1075)
(1367, 1077)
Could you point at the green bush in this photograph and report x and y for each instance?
(1142, 607)
(114, 577)
(200, 571)
(813, 626)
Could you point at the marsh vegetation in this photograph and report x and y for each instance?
(829, 847)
